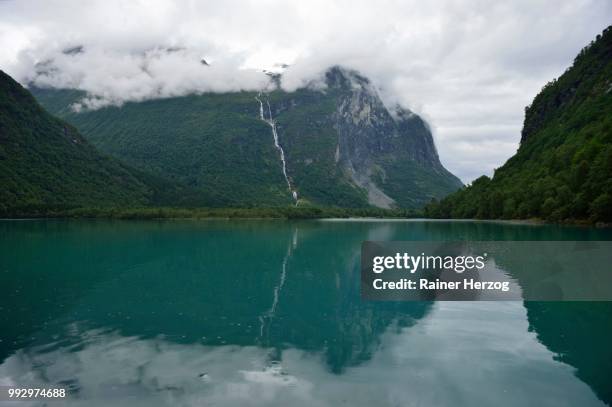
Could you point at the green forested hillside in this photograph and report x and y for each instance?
(563, 168)
(215, 144)
(342, 146)
(46, 163)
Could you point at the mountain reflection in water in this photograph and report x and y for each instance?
(268, 313)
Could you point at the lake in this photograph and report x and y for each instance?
(254, 313)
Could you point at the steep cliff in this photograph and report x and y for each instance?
(387, 153)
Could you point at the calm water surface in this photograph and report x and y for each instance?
(241, 313)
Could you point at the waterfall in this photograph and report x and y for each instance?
(277, 145)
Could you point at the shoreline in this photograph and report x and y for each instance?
(281, 214)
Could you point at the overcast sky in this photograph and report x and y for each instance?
(468, 67)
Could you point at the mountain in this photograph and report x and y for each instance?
(563, 167)
(336, 146)
(46, 163)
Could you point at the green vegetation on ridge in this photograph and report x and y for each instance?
(563, 168)
(45, 164)
(45, 161)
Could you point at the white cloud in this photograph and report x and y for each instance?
(113, 77)
(469, 67)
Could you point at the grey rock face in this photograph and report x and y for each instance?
(370, 136)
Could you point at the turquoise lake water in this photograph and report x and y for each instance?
(258, 313)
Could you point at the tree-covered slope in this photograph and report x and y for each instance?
(45, 162)
(342, 146)
(215, 144)
(563, 167)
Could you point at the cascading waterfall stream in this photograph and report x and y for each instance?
(277, 145)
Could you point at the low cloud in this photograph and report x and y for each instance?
(468, 67)
(113, 78)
